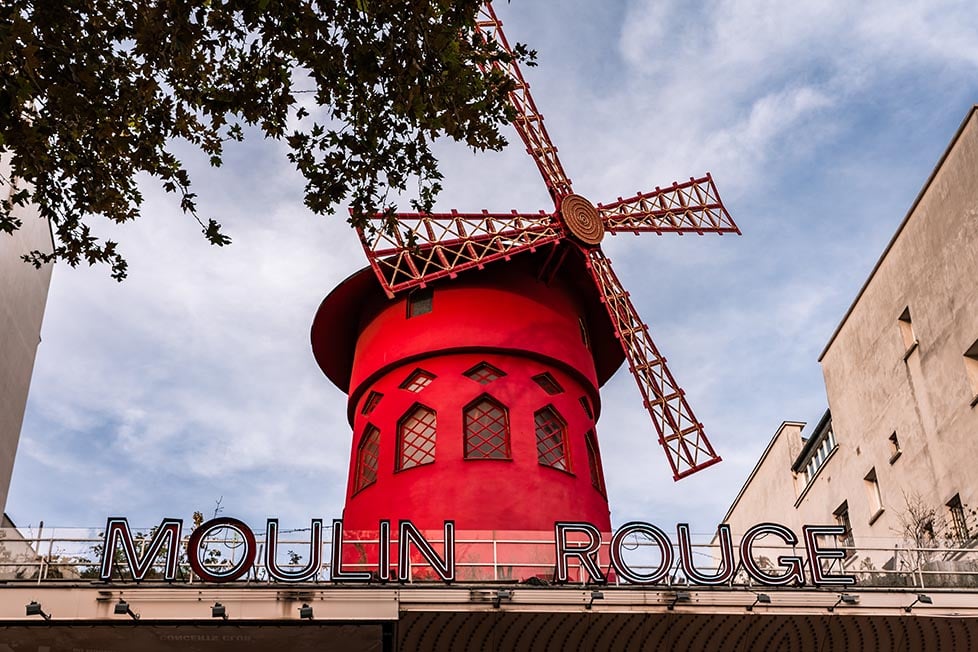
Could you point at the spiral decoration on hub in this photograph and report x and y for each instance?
(582, 219)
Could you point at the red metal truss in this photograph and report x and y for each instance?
(423, 247)
(690, 207)
(680, 434)
(529, 121)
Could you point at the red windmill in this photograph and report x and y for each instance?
(491, 370)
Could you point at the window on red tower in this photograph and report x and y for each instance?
(587, 407)
(594, 461)
(551, 438)
(419, 302)
(372, 400)
(548, 383)
(367, 454)
(416, 438)
(486, 430)
(418, 380)
(484, 373)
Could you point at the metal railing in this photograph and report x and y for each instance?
(75, 554)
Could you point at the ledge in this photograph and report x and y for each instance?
(875, 517)
(911, 349)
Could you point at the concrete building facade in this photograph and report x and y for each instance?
(893, 459)
(23, 294)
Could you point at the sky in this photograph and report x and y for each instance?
(192, 386)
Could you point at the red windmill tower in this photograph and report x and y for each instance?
(473, 367)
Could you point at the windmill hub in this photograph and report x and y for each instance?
(582, 219)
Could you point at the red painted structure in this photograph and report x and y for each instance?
(500, 352)
(473, 347)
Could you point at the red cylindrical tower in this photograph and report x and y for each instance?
(474, 399)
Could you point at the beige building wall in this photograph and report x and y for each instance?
(23, 293)
(757, 500)
(901, 386)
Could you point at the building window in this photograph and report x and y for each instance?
(842, 518)
(483, 373)
(419, 302)
(587, 408)
(551, 434)
(416, 438)
(548, 383)
(367, 454)
(959, 520)
(895, 451)
(373, 398)
(821, 449)
(594, 461)
(486, 430)
(418, 380)
(906, 331)
(874, 496)
(971, 368)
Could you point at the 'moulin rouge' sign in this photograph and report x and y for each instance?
(577, 545)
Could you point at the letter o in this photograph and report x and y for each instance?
(235, 572)
(653, 533)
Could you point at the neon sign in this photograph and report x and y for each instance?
(578, 542)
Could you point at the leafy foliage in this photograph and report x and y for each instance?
(94, 93)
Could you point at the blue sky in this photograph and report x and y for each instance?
(193, 381)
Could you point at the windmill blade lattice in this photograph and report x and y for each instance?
(680, 434)
(421, 248)
(428, 247)
(690, 207)
(529, 121)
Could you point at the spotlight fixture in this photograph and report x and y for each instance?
(219, 611)
(34, 609)
(501, 594)
(845, 598)
(595, 595)
(122, 608)
(922, 599)
(759, 598)
(305, 611)
(680, 596)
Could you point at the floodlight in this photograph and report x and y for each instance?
(845, 598)
(34, 609)
(122, 608)
(922, 599)
(680, 596)
(759, 598)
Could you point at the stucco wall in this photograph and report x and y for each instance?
(23, 293)
(876, 386)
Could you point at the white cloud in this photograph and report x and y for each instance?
(194, 378)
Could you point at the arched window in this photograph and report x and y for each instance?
(416, 437)
(367, 454)
(594, 461)
(486, 430)
(551, 438)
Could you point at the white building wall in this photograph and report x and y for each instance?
(23, 293)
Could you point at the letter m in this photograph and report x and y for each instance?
(140, 561)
